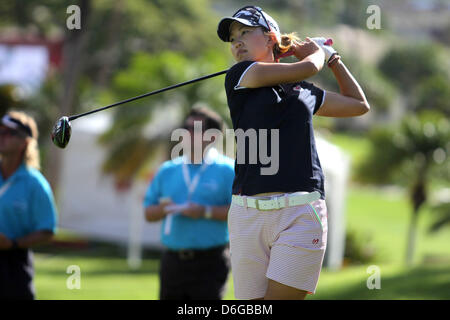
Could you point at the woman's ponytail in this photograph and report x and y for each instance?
(287, 40)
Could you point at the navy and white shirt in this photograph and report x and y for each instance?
(288, 108)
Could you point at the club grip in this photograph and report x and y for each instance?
(328, 42)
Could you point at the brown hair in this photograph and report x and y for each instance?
(287, 40)
(31, 156)
(212, 119)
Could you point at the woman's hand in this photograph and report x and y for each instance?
(304, 48)
(267, 74)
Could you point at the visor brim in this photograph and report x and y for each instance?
(223, 29)
(10, 123)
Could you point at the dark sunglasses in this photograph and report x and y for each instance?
(10, 132)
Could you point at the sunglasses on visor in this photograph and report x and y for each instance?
(256, 13)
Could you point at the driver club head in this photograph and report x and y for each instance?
(61, 132)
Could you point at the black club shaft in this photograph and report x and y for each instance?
(147, 94)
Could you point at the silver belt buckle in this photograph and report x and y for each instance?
(275, 207)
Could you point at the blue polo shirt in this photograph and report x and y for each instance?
(213, 188)
(26, 203)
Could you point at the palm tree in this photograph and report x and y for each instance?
(442, 211)
(129, 147)
(415, 154)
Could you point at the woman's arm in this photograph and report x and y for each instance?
(157, 212)
(266, 74)
(351, 100)
(35, 238)
(28, 241)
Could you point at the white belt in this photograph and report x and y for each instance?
(278, 201)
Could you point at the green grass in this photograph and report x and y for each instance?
(383, 214)
(397, 282)
(102, 277)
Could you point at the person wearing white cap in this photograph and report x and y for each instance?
(278, 221)
(27, 210)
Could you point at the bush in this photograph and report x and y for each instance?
(359, 248)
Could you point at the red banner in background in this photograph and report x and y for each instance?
(54, 47)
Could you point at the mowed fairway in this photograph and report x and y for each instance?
(382, 214)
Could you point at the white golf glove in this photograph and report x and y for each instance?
(326, 45)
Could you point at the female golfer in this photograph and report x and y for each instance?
(28, 215)
(278, 221)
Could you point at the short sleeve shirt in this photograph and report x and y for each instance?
(213, 189)
(281, 117)
(26, 204)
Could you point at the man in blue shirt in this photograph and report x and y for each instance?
(27, 210)
(193, 197)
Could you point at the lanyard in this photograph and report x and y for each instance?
(192, 185)
(6, 186)
(8, 183)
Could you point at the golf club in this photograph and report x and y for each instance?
(62, 129)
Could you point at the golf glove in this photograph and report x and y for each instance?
(325, 44)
